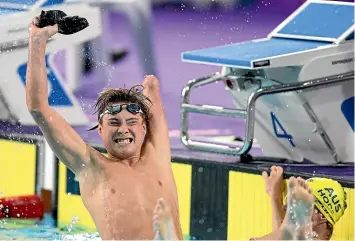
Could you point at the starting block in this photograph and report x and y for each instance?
(302, 75)
(14, 20)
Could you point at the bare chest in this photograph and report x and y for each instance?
(122, 204)
(133, 186)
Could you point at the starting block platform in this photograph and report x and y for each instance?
(257, 54)
(292, 43)
(14, 20)
(302, 75)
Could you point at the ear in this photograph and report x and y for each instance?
(318, 217)
(322, 219)
(99, 130)
(145, 129)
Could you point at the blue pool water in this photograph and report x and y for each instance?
(17, 229)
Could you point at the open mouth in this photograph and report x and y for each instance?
(123, 141)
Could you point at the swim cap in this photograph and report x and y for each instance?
(329, 198)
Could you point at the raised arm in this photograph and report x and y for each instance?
(64, 141)
(274, 185)
(275, 188)
(159, 132)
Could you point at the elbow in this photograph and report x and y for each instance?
(32, 106)
(36, 110)
(35, 113)
(38, 116)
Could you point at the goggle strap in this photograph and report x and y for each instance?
(93, 128)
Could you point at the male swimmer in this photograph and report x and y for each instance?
(119, 190)
(329, 206)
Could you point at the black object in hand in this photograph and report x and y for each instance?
(66, 24)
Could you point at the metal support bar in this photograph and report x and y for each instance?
(209, 110)
(214, 110)
(10, 46)
(250, 110)
(320, 129)
(40, 164)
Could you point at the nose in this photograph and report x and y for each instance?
(123, 129)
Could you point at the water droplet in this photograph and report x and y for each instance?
(75, 219)
(69, 228)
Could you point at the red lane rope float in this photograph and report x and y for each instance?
(22, 207)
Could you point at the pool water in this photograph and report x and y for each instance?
(18, 229)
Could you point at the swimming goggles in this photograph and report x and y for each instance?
(132, 108)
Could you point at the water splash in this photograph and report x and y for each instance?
(74, 220)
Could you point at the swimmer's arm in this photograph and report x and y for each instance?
(275, 186)
(64, 141)
(159, 132)
(278, 213)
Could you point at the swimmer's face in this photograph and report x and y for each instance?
(318, 218)
(123, 133)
